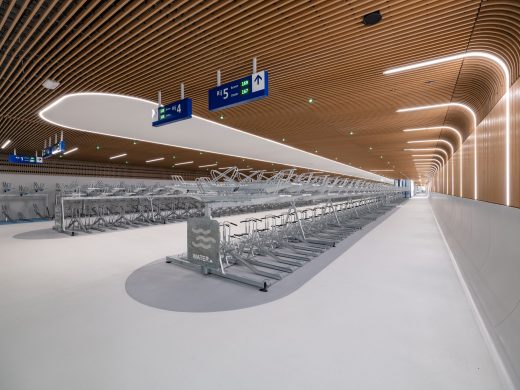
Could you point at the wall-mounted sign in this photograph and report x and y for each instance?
(13, 158)
(53, 149)
(173, 112)
(240, 91)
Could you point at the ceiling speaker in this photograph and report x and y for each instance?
(372, 18)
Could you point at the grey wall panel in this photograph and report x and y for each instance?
(485, 241)
(509, 332)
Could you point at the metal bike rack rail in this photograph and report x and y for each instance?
(315, 212)
(23, 204)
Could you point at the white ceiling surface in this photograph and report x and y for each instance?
(129, 117)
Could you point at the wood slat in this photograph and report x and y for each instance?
(315, 49)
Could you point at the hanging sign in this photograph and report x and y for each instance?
(173, 112)
(13, 158)
(53, 149)
(244, 90)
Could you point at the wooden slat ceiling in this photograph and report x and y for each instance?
(315, 49)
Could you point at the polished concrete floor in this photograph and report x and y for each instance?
(389, 313)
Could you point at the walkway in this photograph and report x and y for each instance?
(387, 314)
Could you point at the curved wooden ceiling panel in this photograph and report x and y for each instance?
(313, 49)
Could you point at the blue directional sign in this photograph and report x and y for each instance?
(240, 91)
(173, 112)
(13, 158)
(53, 149)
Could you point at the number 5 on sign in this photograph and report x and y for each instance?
(240, 91)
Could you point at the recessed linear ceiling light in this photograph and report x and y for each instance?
(5, 144)
(381, 170)
(461, 150)
(70, 151)
(184, 163)
(459, 135)
(155, 159)
(246, 169)
(223, 168)
(207, 165)
(429, 155)
(452, 164)
(118, 156)
(50, 84)
(507, 77)
(427, 149)
(422, 141)
(425, 157)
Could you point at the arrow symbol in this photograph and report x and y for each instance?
(258, 78)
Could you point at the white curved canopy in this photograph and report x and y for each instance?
(130, 117)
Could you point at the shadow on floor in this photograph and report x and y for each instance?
(170, 287)
(40, 234)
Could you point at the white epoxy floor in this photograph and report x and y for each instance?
(388, 314)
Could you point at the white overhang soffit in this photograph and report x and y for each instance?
(130, 117)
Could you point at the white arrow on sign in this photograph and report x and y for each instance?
(258, 81)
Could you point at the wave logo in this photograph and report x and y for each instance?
(202, 238)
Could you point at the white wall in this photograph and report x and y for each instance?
(484, 239)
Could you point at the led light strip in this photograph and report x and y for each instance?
(425, 162)
(427, 149)
(5, 144)
(155, 159)
(433, 140)
(452, 152)
(118, 156)
(207, 165)
(497, 60)
(428, 164)
(70, 151)
(433, 155)
(459, 135)
(184, 163)
(445, 172)
(431, 163)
